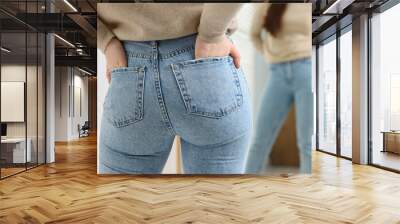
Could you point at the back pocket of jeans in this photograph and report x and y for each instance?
(123, 104)
(209, 87)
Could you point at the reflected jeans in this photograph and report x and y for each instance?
(165, 93)
(289, 82)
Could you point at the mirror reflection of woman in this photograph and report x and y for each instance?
(287, 48)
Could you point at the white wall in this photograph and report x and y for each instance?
(50, 96)
(68, 81)
(33, 125)
(79, 117)
(12, 73)
(61, 103)
(12, 100)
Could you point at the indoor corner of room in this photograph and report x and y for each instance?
(48, 80)
(357, 85)
(74, 89)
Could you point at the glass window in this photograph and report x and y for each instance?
(327, 97)
(41, 79)
(346, 94)
(14, 153)
(385, 89)
(22, 92)
(31, 99)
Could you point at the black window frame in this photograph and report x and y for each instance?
(333, 37)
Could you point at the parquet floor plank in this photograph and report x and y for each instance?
(70, 191)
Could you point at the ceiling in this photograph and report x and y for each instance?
(331, 15)
(74, 22)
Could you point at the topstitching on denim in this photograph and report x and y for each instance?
(132, 54)
(161, 55)
(176, 52)
(133, 114)
(157, 85)
(128, 69)
(178, 69)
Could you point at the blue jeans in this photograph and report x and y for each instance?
(289, 83)
(163, 93)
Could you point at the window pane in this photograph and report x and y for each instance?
(22, 90)
(13, 86)
(346, 94)
(327, 97)
(41, 99)
(31, 99)
(386, 89)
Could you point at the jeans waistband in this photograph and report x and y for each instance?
(163, 48)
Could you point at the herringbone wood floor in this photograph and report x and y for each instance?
(69, 191)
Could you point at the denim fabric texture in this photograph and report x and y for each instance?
(164, 92)
(289, 83)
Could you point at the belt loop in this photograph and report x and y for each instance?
(155, 49)
(154, 44)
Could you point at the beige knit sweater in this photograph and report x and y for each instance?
(292, 42)
(160, 21)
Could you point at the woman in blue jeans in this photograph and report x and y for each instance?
(287, 47)
(172, 72)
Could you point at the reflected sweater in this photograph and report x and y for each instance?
(160, 21)
(292, 42)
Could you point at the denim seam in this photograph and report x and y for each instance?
(181, 85)
(119, 171)
(176, 52)
(127, 154)
(227, 141)
(111, 168)
(131, 54)
(210, 60)
(140, 94)
(160, 98)
(120, 70)
(239, 96)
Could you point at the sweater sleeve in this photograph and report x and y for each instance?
(257, 25)
(215, 19)
(104, 35)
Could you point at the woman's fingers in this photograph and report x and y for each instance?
(108, 75)
(235, 54)
(115, 57)
(220, 49)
